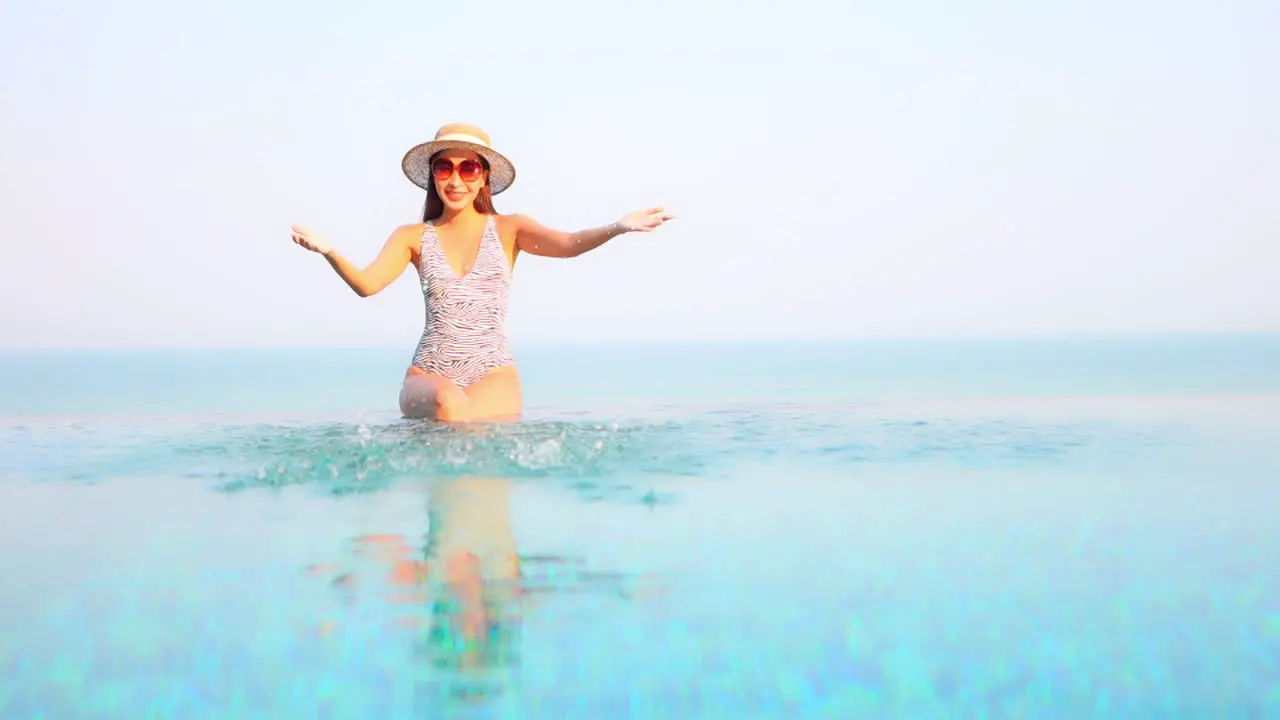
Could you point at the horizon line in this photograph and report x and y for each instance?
(693, 342)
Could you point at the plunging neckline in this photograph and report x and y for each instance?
(475, 259)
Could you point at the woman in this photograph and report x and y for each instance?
(464, 252)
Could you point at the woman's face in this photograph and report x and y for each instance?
(459, 175)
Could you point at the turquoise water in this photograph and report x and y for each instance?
(1047, 528)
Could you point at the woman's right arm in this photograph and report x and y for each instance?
(395, 256)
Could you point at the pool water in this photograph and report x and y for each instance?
(1085, 529)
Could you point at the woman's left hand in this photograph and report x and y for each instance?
(645, 220)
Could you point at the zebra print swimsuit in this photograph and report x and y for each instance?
(465, 335)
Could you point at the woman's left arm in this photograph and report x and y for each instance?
(536, 239)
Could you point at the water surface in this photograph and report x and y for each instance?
(1071, 530)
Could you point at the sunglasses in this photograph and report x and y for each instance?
(468, 170)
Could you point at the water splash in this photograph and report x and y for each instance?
(595, 457)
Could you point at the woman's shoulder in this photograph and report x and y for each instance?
(511, 221)
(408, 237)
(508, 227)
(409, 233)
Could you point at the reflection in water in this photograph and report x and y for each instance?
(464, 594)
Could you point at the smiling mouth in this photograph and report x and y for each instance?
(454, 195)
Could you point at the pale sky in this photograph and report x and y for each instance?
(841, 170)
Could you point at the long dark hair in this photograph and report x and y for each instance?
(434, 206)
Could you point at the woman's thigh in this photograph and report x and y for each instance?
(425, 395)
(496, 396)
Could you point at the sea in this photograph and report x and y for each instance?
(1047, 528)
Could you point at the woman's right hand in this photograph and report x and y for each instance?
(311, 240)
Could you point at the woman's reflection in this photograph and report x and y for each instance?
(472, 583)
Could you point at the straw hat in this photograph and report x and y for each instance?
(417, 162)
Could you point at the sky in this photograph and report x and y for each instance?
(907, 169)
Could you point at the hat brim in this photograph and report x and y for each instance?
(417, 163)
